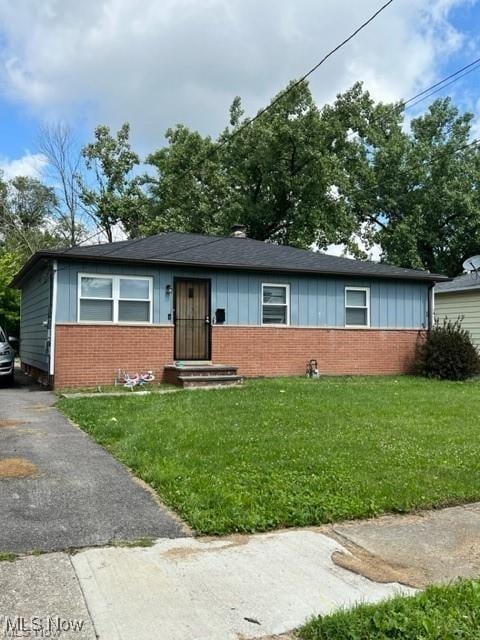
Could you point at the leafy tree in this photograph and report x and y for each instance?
(189, 191)
(303, 175)
(27, 217)
(27, 224)
(278, 177)
(113, 194)
(417, 192)
(9, 298)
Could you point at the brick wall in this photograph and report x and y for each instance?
(89, 355)
(268, 351)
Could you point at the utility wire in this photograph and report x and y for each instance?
(404, 104)
(306, 75)
(433, 86)
(441, 88)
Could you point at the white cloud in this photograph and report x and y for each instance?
(373, 253)
(158, 63)
(31, 165)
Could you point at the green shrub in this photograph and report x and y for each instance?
(448, 352)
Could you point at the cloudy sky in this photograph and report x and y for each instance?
(158, 62)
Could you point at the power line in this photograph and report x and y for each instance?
(433, 86)
(441, 88)
(306, 75)
(416, 99)
(470, 144)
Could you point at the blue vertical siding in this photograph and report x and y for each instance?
(34, 320)
(314, 301)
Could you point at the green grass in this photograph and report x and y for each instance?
(152, 387)
(6, 556)
(294, 451)
(140, 542)
(440, 613)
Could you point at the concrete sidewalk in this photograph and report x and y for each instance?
(240, 586)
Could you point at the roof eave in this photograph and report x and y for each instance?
(460, 290)
(45, 254)
(28, 266)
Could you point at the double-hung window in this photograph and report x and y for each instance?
(357, 307)
(103, 298)
(276, 304)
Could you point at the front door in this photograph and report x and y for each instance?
(192, 319)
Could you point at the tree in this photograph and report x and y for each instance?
(27, 224)
(113, 195)
(190, 191)
(27, 217)
(417, 192)
(9, 298)
(277, 176)
(57, 144)
(304, 176)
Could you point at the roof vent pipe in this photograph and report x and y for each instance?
(239, 231)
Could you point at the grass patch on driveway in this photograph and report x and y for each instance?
(294, 451)
(441, 613)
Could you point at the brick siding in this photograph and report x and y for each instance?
(268, 351)
(89, 355)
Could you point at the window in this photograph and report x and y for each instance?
(275, 304)
(357, 307)
(114, 299)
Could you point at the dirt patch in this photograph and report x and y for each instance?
(373, 567)
(17, 468)
(10, 423)
(184, 553)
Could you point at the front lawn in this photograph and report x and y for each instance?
(294, 451)
(441, 613)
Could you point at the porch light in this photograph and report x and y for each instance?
(168, 289)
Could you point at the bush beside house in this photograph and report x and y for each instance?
(448, 352)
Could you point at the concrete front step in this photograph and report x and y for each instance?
(209, 381)
(216, 370)
(202, 374)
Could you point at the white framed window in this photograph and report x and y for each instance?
(357, 306)
(105, 298)
(275, 304)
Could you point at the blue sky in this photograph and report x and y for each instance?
(185, 60)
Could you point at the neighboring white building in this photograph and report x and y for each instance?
(460, 297)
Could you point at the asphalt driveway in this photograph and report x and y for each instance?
(69, 492)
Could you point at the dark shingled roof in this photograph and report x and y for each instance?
(189, 249)
(467, 282)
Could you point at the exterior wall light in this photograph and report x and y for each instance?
(168, 289)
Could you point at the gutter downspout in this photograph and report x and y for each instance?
(431, 306)
(53, 319)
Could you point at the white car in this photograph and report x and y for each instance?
(7, 358)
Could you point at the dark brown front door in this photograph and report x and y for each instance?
(192, 319)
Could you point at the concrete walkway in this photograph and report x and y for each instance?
(240, 586)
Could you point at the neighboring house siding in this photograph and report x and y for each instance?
(314, 301)
(34, 328)
(461, 303)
